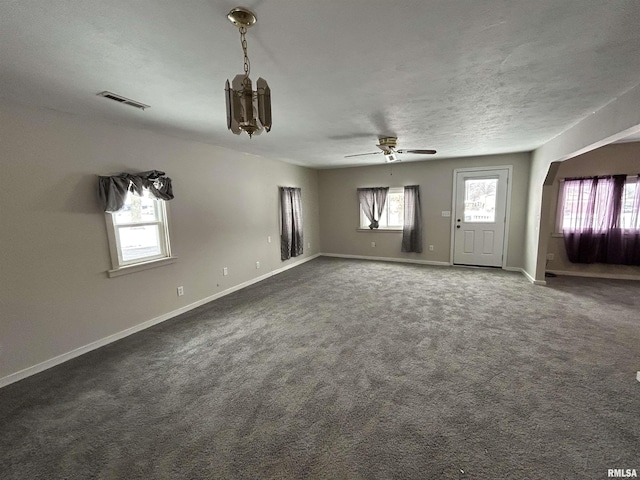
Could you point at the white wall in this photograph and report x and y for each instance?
(56, 296)
(339, 206)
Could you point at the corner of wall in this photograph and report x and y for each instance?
(614, 121)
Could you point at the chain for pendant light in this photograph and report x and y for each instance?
(243, 42)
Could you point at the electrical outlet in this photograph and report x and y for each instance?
(180, 291)
(431, 248)
(446, 213)
(550, 256)
(257, 265)
(309, 245)
(225, 271)
(269, 239)
(373, 244)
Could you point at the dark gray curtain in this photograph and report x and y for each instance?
(112, 191)
(372, 201)
(291, 239)
(412, 229)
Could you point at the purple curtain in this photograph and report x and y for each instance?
(592, 225)
(372, 201)
(291, 239)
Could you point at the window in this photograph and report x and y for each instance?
(480, 200)
(629, 209)
(574, 204)
(392, 217)
(600, 219)
(138, 233)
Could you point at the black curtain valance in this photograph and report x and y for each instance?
(112, 191)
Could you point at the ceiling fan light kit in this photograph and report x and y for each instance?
(391, 157)
(387, 146)
(248, 110)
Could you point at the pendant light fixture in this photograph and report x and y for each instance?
(247, 109)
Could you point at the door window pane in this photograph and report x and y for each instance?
(480, 200)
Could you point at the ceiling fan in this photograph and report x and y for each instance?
(387, 146)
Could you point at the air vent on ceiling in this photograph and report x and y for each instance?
(119, 98)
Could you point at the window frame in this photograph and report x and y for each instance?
(558, 228)
(363, 225)
(119, 265)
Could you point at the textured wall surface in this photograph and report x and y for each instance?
(339, 206)
(55, 290)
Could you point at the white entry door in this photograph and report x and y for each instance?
(480, 215)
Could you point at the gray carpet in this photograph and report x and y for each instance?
(345, 369)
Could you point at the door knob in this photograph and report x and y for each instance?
(457, 226)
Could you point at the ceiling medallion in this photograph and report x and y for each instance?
(248, 110)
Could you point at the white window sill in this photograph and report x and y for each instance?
(138, 267)
(385, 230)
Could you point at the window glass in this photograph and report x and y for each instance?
(575, 207)
(395, 210)
(139, 231)
(480, 200)
(392, 217)
(137, 210)
(626, 217)
(139, 242)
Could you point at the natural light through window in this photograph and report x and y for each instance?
(392, 217)
(628, 197)
(140, 230)
(575, 205)
(480, 200)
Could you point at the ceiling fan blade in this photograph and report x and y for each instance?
(423, 152)
(361, 154)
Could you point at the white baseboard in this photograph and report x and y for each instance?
(428, 262)
(52, 362)
(526, 275)
(611, 276)
(386, 259)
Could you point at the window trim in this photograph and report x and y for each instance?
(362, 218)
(138, 267)
(123, 267)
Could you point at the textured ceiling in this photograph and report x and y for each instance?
(461, 76)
